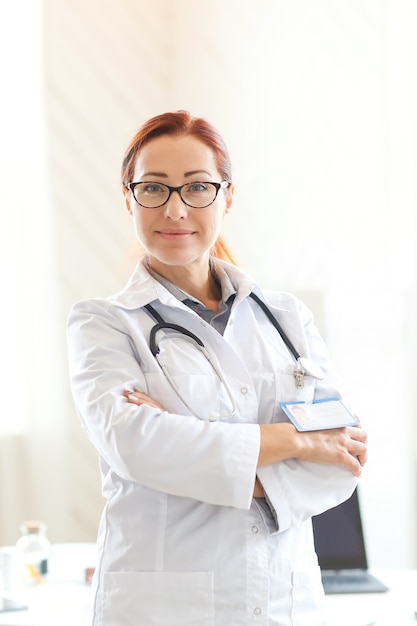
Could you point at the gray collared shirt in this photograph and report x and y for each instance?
(217, 320)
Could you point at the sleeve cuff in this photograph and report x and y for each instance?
(297, 490)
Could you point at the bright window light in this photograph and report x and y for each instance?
(22, 198)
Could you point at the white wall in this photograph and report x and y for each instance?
(310, 98)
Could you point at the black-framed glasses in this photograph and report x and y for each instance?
(197, 195)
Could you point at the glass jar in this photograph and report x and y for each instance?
(34, 551)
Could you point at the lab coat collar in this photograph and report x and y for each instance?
(142, 288)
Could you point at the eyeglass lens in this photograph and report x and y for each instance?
(153, 195)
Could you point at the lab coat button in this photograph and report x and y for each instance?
(244, 390)
(257, 610)
(255, 529)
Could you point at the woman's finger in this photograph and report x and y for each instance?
(140, 397)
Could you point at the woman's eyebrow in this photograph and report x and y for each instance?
(159, 174)
(193, 172)
(186, 174)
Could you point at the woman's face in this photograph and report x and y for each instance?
(176, 234)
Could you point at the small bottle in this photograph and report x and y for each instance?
(34, 550)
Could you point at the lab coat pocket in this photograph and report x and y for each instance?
(158, 598)
(307, 598)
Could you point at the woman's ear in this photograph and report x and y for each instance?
(126, 193)
(229, 198)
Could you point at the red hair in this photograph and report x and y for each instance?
(175, 124)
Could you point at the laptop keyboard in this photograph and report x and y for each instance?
(353, 582)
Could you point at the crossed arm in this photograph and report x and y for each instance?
(345, 447)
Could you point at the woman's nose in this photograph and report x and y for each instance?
(175, 208)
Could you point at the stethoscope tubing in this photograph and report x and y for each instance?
(162, 325)
(153, 345)
(181, 329)
(277, 325)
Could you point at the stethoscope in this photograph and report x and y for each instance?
(304, 365)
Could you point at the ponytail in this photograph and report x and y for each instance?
(221, 251)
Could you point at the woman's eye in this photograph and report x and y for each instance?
(197, 187)
(153, 188)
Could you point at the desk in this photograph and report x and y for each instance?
(392, 608)
(64, 599)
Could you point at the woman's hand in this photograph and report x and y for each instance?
(338, 446)
(140, 397)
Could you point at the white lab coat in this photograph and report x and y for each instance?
(181, 541)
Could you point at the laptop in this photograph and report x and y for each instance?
(341, 551)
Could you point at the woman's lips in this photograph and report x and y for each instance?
(176, 234)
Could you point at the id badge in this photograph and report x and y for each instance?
(319, 414)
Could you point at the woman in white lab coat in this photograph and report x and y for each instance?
(209, 488)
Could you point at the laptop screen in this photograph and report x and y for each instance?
(338, 536)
